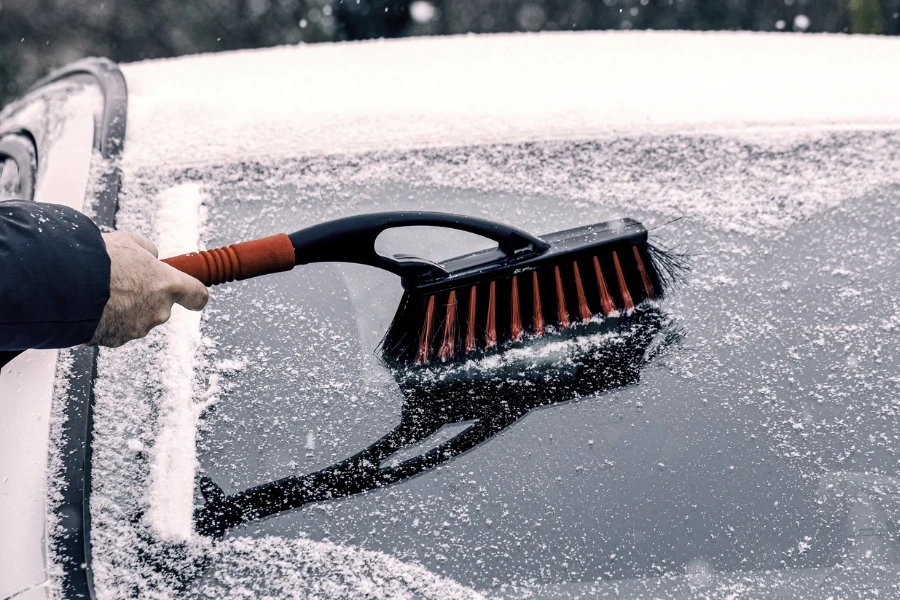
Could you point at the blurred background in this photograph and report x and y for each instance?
(39, 35)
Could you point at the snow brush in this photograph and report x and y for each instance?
(482, 338)
(527, 289)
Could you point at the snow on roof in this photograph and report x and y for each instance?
(348, 97)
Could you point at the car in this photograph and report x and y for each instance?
(743, 443)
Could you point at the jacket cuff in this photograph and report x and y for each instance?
(58, 276)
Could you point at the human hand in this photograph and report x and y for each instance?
(142, 290)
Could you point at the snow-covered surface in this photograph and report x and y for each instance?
(26, 389)
(351, 97)
(300, 569)
(174, 462)
(64, 125)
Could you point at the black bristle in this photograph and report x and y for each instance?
(397, 345)
(668, 266)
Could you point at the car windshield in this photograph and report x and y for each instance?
(748, 446)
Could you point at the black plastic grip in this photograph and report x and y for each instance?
(352, 239)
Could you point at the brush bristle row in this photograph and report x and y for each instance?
(456, 324)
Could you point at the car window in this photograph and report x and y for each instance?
(746, 443)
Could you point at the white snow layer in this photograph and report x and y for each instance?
(174, 463)
(302, 569)
(349, 97)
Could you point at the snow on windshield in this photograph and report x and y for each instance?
(763, 442)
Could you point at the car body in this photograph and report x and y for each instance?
(754, 455)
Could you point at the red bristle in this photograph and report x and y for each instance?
(538, 317)
(515, 320)
(561, 313)
(490, 334)
(623, 287)
(449, 343)
(606, 303)
(648, 287)
(583, 310)
(470, 330)
(425, 336)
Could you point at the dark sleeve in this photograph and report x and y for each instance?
(54, 276)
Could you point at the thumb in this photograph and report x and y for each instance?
(189, 292)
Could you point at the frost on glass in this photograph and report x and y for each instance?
(755, 453)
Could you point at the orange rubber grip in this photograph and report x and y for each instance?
(243, 260)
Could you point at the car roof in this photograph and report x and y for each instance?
(383, 95)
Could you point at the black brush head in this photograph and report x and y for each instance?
(491, 301)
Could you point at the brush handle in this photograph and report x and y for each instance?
(352, 239)
(243, 260)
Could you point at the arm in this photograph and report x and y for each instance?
(54, 276)
(62, 283)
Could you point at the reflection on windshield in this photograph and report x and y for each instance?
(491, 396)
(867, 509)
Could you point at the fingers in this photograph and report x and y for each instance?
(187, 291)
(142, 290)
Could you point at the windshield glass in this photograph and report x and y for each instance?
(744, 439)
